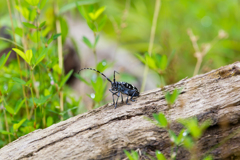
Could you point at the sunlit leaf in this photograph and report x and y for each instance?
(96, 14)
(161, 119)
(160, 156)
(173, 136)
(17, 125)
(182, 134)
(42, 3)
(20, 53)
(49, 121)
(9, 109)
(57, 69)
(131, 156)
(19, 31)
(70, 6)
(5, 132)
(209, 157)
(33, 2)
(29, 55)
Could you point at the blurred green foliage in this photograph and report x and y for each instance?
(33, 93)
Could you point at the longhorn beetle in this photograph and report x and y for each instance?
(119, 88)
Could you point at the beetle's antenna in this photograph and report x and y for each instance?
(114, 76)
(98, 72)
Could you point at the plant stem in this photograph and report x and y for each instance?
(151, 41)
(197, 67)
(60, 56)
(34, 108)
(94, 49)
(6, 122)
(8, 40)
(18, 59)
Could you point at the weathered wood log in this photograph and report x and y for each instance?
(104, 132)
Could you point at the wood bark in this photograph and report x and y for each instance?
(104, 132)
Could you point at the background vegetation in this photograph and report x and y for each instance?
(174, 39)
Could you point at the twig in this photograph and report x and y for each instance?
(150, 47)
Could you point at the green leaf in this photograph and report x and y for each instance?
(102, 23)
(20, 53)
(132, 156)
(42, 24)
(95, 15)
(163, 63)
(65, 78)
(9, 109)
(24, 11)
(56, 36)
(70, 6)
(29, 25)
(32, 15)
(161, 119)
(19, 31)
(82, 79)
(101, 66)
(17, 125)
(174, 96)
(160, 156)
(4, 59)
(18, 106)
(33, 2)
(5, 132)
(188, 143)
(192, 126)
(173, 136)
(46, 92)
(171, 98)
(209, 157)
(96, 41)
(140, 57)
(57, 69)
(29, 55)
(18, 80)
(83, 12)
(87, 42)
(49, 121)
(150, 61)
(42, 4)
(41, 56)
(183, 133)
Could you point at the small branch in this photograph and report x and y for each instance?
(151, 41)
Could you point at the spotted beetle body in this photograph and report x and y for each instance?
(119, 88)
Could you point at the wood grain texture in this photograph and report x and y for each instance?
(104, 132)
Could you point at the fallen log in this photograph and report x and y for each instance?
(104, 132)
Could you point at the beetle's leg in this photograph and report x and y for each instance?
(122, 98)
(127, 101)
(117, 99)
(113, 93)
(132, 97)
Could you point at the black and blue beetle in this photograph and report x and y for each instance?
(119, 88)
